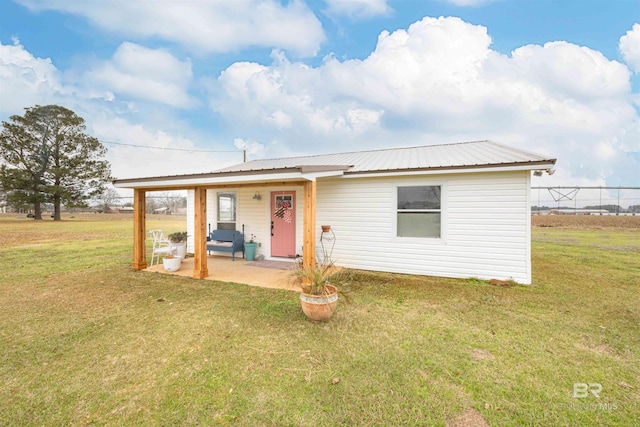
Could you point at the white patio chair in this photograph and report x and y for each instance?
(161, 245)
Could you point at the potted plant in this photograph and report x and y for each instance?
(319, 297)
(171, 262)
(179, 241)
(250, 248)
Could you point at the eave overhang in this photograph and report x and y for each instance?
(545, 165)
(313, 172)
(296, 174)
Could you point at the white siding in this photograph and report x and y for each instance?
(211, 214)
(485, 225)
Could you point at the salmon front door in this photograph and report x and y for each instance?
(283, 224)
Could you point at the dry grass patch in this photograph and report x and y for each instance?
(587, 221)
(469, 418)
(478, 354)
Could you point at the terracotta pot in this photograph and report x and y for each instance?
(326, 228)
(319, 308)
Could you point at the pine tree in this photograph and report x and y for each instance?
(48, 157)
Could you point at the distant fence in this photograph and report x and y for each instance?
(577, 200)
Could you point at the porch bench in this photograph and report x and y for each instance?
(226, 241)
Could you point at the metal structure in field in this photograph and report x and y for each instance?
(592, 203)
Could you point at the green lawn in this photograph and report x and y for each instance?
(86, 340)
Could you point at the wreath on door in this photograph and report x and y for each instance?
(283, 210)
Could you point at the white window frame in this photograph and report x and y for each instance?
(443, 212)
(235, 208)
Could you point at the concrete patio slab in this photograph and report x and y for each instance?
(223, 269)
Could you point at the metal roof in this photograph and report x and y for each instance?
(448, 156)
(428, 158)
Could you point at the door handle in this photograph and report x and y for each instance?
(271, 228)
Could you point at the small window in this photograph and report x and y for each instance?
(419, 211)
(226, 211)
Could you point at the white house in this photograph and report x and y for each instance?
(456, 210)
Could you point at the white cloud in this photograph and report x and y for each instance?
(142, 73)
(572, 71)
(155, 151)
(288, 95)
(438, 81)
(203, 26)
(252, 148)
(26, 80)
(629, 46)
(358, 8)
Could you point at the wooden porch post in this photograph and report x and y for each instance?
(139, 229)
(309, 225)
(200, 270)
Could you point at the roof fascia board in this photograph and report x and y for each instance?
(226, 180)
(448, 171)
(327, 174)
(324, 168)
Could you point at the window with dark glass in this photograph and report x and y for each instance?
(419, 211)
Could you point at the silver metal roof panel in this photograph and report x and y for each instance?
(466, 154)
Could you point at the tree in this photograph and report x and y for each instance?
(49, 158)
(108, 198)
(24, 163)
(151, 205)
(3, 199)
(165, 200)
(172, 200)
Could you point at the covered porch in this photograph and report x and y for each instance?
(202, 266)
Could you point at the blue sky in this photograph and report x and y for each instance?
(282, 78)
